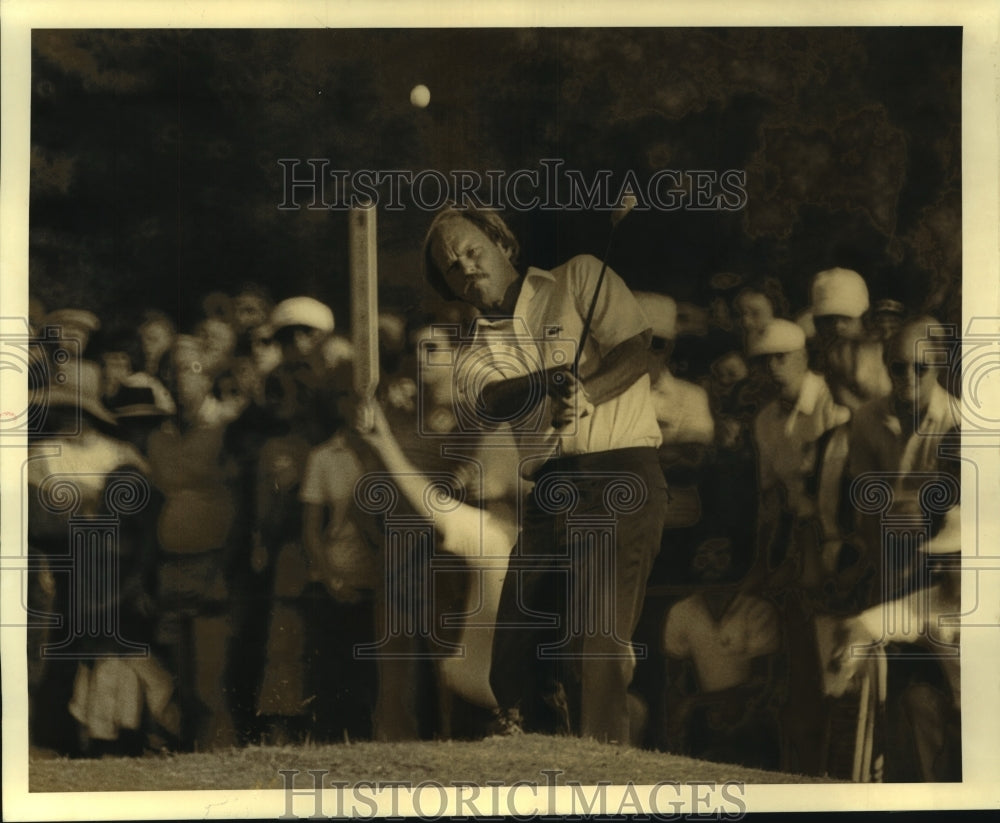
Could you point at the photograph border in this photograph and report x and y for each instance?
(980, 20)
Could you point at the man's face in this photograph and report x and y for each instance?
(476, 269)
(831, 327)
(729, 370)
(156, 338)
(298, 342)
(249, 310)
(787, 369)
(754, 312)
(713, 560)
(912, 379)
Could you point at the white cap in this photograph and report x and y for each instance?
(839, 291)
(778, 337)
(660, 311)
(302, 311)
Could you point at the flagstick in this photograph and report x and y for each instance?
(363, 250)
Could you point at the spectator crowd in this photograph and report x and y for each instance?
(259, 596)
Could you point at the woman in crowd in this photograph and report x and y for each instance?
(91, 494)
(193, 529)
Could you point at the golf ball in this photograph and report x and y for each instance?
(420, 96)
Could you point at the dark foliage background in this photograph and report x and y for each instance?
(155, 175)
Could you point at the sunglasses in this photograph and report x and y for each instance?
(899, 368)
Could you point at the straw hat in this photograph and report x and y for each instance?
(137, 401)
(77, 385)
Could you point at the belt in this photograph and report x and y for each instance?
(615, 459)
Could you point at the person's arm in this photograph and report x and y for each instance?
(676, 640)
(411, 482)
(619, 329)
(831, 471)
(622, 362)
(619, 369)
(688, 431)
(465, 530)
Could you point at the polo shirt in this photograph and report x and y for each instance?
(723, 649)
(786, 440)
(332, 471)
(543, 333)
(878, 444)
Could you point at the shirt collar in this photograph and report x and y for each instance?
(531, 285)
(528, 289)
(805, 404)
(536, 272)
(499, 323)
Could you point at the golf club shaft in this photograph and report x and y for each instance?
(588, 320)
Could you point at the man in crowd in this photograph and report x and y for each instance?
(785, 433)
(602, 427)
(850, 357)
(907, 434)
(909, 442)
(730, 635)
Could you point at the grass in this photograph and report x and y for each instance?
(507, 759)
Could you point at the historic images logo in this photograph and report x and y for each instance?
(314, 184)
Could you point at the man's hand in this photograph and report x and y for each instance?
(371, 425)
(570, 401)
(506, 400)
(560, 382)
(843, 669)
(509, 399)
